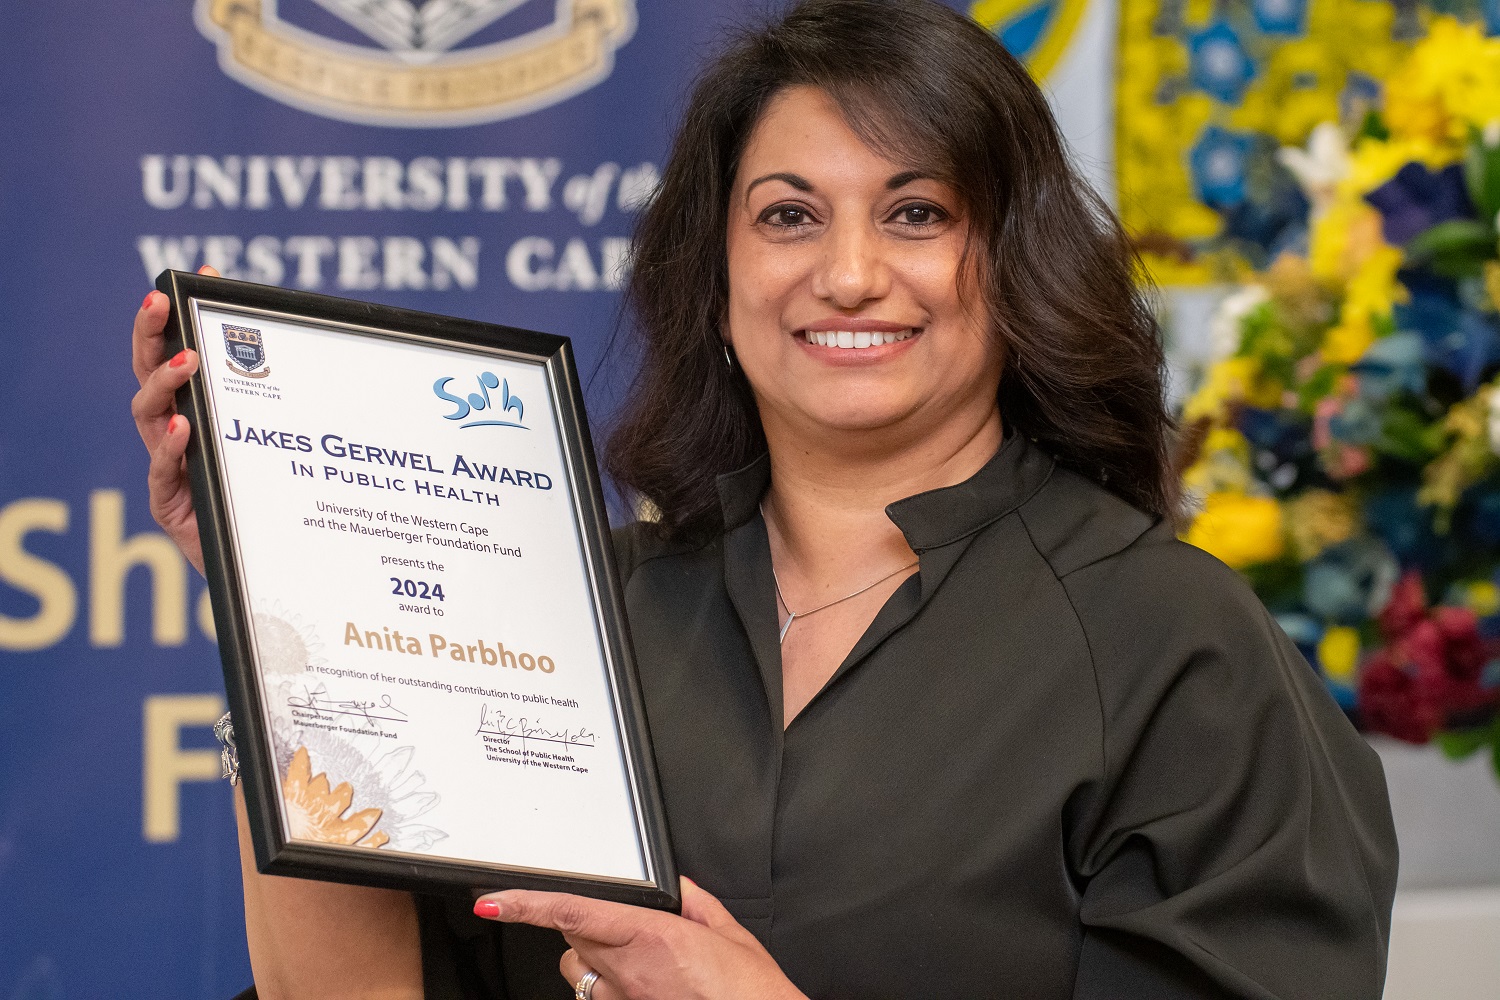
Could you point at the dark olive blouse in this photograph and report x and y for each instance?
(1072, 757)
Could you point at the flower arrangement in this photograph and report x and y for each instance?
(1206, 93)
(1345, 445)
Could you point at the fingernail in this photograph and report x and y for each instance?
(178, 360)
(690, 882)
(175, 423)
(487, 908)
(147, 303)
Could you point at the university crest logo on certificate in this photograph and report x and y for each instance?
(421, 75)
(247, 351)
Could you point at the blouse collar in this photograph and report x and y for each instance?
(928, 520)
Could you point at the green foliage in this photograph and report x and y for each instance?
(1278, 583)
(1457, 248)
(1461, 744)
(1373, 127)
(1410, 436)
(1317, 386)
(1482, 174)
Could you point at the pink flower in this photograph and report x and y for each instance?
(1466, 650)
(1407, 606)
(1323, 413)
(1429, 672)
(1389, 702)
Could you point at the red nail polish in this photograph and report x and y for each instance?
(147, 303)
(178, 360)
(486, 908)
(174, 423)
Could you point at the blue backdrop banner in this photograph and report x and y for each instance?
(482, 159)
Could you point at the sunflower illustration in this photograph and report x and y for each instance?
(316, 812)
(382, 779)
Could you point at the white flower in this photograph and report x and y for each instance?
(1224, 325)
(1320, 166)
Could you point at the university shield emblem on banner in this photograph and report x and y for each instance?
(419, 72)
(247, 352)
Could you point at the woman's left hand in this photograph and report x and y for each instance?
(643, 954)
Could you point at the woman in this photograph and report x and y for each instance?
(940, 705)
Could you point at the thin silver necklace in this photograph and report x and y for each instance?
(792, 616)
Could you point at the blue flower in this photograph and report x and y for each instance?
(1218, 63)
(1461, 340)
(1489, 679)
(1272, 220)
(1283, 448)
(1480, 516)
(1349, 582)
(1393, 364)
(1417, 199)
(1218, 161)
(1357, 422)
(1304, 631)
(1405, 526)
(1280, 17)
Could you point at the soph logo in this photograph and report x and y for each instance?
(247, 352)
(479, 402)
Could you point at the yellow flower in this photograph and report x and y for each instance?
(1223, 464)
(1343, 238)
(1466, 458)
(1371, 294)
(1240, 530)
(1317, 519)
(1231, 381)
(1375, 161)
(1450, 82)
(1338, 653)
(1492, 284)
(315, 812)
(1165, 270)
(1483, 598)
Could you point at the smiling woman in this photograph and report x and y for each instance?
(940, 704)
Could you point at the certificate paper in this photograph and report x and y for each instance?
(432, 666)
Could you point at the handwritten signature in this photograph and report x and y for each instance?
(495, 722)
(318, 700)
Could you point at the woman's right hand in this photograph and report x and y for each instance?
(162, 428)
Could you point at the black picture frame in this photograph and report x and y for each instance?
(275, 854)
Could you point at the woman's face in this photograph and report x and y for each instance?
(845, 309)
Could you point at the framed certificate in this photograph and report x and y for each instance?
(418, 612)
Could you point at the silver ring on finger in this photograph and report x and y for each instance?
(584, 990)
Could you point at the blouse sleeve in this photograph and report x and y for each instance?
(1240, 841)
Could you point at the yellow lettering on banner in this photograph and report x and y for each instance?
(45, 581)
(167, 765)
(112, 557)
(206, 617)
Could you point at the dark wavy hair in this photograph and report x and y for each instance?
(1084, 370)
